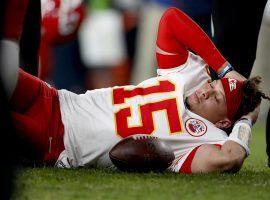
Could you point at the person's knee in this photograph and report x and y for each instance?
(9, 66)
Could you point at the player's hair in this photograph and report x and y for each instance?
(252, 96)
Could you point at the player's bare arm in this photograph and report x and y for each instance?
(231, 155)
(210, 158)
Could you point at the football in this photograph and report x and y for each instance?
(141, 153)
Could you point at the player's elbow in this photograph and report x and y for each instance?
(229, 163)
(172, 11)
(210, 158)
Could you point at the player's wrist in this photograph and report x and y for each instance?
(241, 134)
(245, 119)
(226, 68)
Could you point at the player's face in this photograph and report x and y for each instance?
(209, 101)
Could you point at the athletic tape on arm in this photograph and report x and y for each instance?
(241, 134)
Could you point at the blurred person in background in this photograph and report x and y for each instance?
(59, 58)
(7, 134)
(236, 34)
(28, 59)
(236, 29)
(261, 67)
(106, 41)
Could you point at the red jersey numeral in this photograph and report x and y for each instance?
(120, 94)
(146, 110)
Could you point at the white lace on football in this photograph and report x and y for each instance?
(143, 137)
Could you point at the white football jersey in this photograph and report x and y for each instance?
(95, 121)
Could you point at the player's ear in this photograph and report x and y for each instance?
(224, 123)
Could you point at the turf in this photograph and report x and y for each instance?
(252, 182)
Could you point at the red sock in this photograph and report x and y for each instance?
(14, 14)
(177, 33)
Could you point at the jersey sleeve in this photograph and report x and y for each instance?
(176, 34)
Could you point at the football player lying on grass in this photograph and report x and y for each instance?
(181, 106)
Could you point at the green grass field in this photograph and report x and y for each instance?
(252, 182)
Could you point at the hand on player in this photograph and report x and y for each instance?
(234, 74)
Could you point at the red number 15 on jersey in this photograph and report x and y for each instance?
(146, 110)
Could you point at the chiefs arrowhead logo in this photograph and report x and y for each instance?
(195, 127)
(232, 84)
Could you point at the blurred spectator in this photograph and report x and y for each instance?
(15, 25)
(7, 163)
(67, 70)
(236, 30)
(29, 58)
(61, 20)
(103, 45)
(8, 158)
(261, 67)
(236, 36)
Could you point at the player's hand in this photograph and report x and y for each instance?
(253, 116)
(234, 74)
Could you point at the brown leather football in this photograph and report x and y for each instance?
(142, 153)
